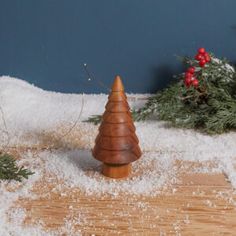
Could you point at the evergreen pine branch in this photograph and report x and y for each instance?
(95, 119)
(10, 171)
(212, 110)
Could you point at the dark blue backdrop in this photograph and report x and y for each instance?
(46, 42)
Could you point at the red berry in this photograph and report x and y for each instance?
(201, 50)
(191, 70)
(207, 57)
(188, 75)
(198, 57)
(187, 82)
(195, 83)
(202, 63)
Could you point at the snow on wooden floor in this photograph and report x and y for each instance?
(193, 208)
(184, 184)
(192, 204)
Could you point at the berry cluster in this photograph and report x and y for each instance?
(190, 79)
(203, 57)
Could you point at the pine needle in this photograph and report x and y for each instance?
(9, 169)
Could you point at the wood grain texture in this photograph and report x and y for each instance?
(202, 204)
(197, 204)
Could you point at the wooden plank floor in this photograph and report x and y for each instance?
(201, 204)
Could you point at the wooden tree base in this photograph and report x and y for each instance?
(116, 171)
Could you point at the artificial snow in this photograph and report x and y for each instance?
(74, 167)
(28, 112)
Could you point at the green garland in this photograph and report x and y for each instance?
(210, 106)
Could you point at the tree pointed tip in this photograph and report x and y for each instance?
(117, 84)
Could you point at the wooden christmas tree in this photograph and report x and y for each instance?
(117, 144)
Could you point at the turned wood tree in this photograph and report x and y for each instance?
(117, 144)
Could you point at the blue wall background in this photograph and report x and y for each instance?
(46, 42)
